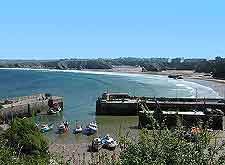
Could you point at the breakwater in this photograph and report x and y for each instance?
(123, 104)
(27, 106)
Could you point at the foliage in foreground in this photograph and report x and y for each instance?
(22, 143)
(162, 146)
(24, 136)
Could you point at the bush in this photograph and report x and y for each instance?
(166, 147)
(24, 136)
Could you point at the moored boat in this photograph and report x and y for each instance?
(78, 128)
(95, 145)
(45, 127)
(90, 129)
(63, 127)
(108, 142)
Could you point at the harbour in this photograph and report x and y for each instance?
(81, 90)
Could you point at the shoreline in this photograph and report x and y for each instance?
(188, 75)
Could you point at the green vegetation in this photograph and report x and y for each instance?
(22, 143)
(216, 67)
(24, 136)
(1, 106)
(162, 146)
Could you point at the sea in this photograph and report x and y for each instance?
(81, 89)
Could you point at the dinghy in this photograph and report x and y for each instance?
(45, 127)
(63, 127)
(78, 128)
(90, 129)
(108, 142)
(95, 145)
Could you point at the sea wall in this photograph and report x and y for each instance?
(216, 122)
(113, 108)
(27, 108)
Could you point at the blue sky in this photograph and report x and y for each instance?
(47, 29)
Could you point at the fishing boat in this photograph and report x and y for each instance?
(63, 127)
(88, 131)
(91, 128)
(45, 127)
(54, 110)
(78, 128)
(96, 145)
(108, 142)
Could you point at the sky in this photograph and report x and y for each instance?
(53, 29)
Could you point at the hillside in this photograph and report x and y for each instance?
(215, 67)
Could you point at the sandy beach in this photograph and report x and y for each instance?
(187, 74)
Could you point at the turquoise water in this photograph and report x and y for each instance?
(81, 89)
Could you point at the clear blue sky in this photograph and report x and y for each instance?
(48, 29)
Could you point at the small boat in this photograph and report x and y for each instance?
(93, 126)
(78, 129)
(54, 110)
(63, 128)
(96, 145)
(45, 127)
(108, 142)
(91, 129)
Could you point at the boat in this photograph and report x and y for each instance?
(63, 128)
(108, 142)
(78, 129)
(96, 145)
(90, 129)
(93, 126)
(45, 127)
(54, 110)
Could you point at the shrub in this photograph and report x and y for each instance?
(162, 146)
(24, 136)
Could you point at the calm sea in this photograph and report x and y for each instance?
(81, 89)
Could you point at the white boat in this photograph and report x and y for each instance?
(62, 128)
(90, 129)
(108, 142)
(95, 145)
(93, 126)
(78, 128)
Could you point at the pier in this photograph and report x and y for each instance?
(190, 110)
(27, 106)
(123, 104)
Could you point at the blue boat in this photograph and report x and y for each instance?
(90, 129)
(45, 127)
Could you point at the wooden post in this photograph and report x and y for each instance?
(223, 123)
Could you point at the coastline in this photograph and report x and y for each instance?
(216, 84)
(187, 74)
